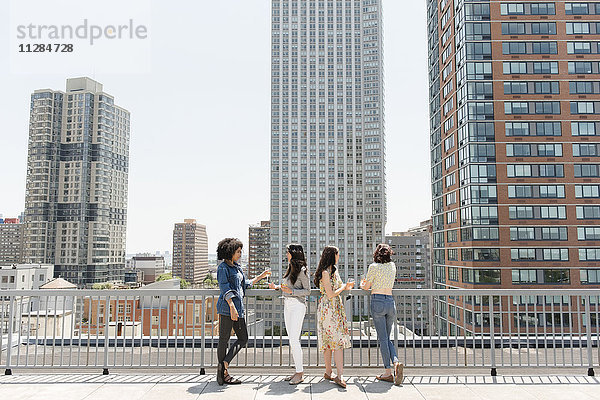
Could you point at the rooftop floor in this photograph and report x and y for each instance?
(24, 385)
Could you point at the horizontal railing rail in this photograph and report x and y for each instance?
(170, 328)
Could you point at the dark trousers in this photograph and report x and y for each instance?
(241, 331)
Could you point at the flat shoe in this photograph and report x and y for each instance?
(297, 382)
(230, 380)
(339, 382)
(389, 379)
(399, 370)
(289, 378)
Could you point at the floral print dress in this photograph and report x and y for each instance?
(332, 326)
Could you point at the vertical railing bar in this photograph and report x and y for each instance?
(456, 332)
(501, 330)
(133, 324)
(414, 340)
(579, 327)
(176, 330)
(193, 329)
(422, 324)
(481, 336)
(406, 340)
(45, 330)
(562, 333)
(431, 309)
(571, 324)
(142, 320)
(448, 336)
(150, 338)
(89, 329)
(464, 309)
(212, 338)
(553, 331)
(256, 300)
(106, 337)
(168, 330)
(264, 344)
(361, 324)
(544, 327)
(11, 317)
(116, 341)
(53, 328)
(202, 330)
(492, 330)
(19, 327)
(29, 307)
(510, 321)
(351, 332)
(527, 329)
(159, 335)
(440, 339)
(74, 313)
(62, 335)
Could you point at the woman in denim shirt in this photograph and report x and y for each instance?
(380, 280)
(230, 306)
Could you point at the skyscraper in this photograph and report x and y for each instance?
(11, 241)
(190, 251)
(327, 130)
(76, 194)
(259, 249)
(514, 120)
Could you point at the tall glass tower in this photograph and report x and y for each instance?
(77, 171)
(327, 131)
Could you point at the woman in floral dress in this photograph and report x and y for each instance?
(332, 326)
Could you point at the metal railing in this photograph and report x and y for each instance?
(146, 329)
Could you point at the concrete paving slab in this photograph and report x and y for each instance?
(129, 391)
(446, 392)
(175, 391)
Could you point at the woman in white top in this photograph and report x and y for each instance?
(295, 288)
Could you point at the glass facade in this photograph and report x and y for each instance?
(327, 131)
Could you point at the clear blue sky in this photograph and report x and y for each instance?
(201, 120)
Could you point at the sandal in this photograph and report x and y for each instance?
(339, 382)
(399, 370)
(230, 380)
(327, 377)
(297, 381)
(389, 378)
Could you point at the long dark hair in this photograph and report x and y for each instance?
(327, 260)
(297, 262)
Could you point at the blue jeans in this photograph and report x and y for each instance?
(383, 309)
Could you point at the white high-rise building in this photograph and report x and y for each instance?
(327, 131)
(77, 173)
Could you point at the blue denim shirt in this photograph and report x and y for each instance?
(233, 285)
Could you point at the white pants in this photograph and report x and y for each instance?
(293, 312)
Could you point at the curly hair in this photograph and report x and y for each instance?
(227, 248)
(327, 260)
(383, 253)
(297, 262)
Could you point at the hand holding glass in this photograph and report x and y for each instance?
(350, 284)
